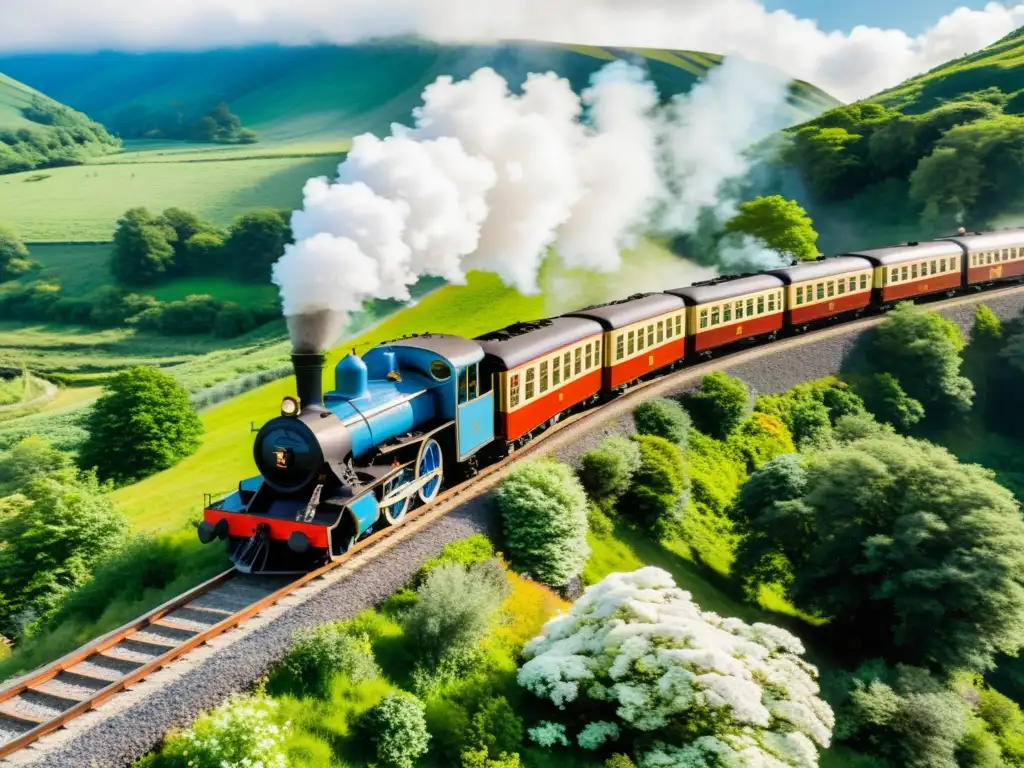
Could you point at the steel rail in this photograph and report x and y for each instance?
(439, 507)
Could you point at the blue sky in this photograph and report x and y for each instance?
(912, 16)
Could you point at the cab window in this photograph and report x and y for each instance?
(463, 391)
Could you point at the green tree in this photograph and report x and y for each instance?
(761, 438)
(52, 536)
(14, 257)
(885, 398)
(665, 418)
(921, 349)
(544, 521)
(719, 405)
(143, 252)
(30, 458)
(143, 423)
(185, 225)
(255, 241)
(203, 254)
(607, 470)
(397, 729)
(911, 554)
(781, 224)
(656, 496)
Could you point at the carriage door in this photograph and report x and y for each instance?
(474, 410)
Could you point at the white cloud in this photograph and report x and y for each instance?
(848, 65)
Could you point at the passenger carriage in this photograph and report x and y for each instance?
(540, 370)
(915, 269)
(728, 309)
(815, 290)
(642, 333)
(993, 256)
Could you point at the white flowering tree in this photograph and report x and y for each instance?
(638, 663)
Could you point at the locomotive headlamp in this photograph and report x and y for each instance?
(289, 407)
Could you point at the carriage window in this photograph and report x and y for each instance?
(726, 313)
(841, 287)
(513, 391)
(894, 278)
(590, 357)
(530, 376)
(578, 355)
(650, 335)
(714, 316)
(631, 347)
(640, 339)
(821, 291)
(1006, 253)
(703, 318)
(863, 282)
(661, 331)
(932, 270)
(668, 328)
(831, 288)
(544, 376)
(473, 381)
(853, 284)
(913, 271)
(739, 310)
(771, 303)
(556, 370)
(679, 325)
(1013, 253)
(904, 273)
(760, 305)
(750, 307)
(988, 257)
(800, 295)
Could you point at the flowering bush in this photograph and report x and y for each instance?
(240, 733)
(637, 653)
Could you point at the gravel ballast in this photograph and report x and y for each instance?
(234, 662)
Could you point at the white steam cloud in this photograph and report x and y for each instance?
(849, 65)
(490, 180)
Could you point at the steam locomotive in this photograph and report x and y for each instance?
(416, 413)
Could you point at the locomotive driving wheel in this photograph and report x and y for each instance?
(393, 513)
(430, 460)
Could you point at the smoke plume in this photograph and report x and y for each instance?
(487, 179)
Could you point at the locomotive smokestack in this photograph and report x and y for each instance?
(309, 370)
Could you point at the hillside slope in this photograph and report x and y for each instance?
(995, 73)
(38, 132)
(329, 92)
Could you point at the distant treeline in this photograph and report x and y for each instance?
(179, 123)
(64, 137)
(149, 250)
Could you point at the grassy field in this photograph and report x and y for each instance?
(14, 96)
(84, 202)
(164, 501)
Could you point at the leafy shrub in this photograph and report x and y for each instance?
(760, 439)
(886, 399)
(143, 423)
(228, 389)
(479, 758)
(607, 470)
(655, 499)
(759, 697)
(239, 732)
(544, 521)
(321, 653)
(465, 552)
(719, 405)
(196, 314)
(397, 729)
(598, 522)
(496, 727)
(809, 410)
(454, 609)
(233, 320)
(619, 761)
(665, 418)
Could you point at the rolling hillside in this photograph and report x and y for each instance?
(328, 93)
(994, 73)
(38, 132)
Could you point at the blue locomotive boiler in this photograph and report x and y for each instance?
(333, 466)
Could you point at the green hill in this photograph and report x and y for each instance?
(993, 74)
(326, 93)
(38, 132)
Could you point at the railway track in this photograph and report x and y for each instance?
(47, 699)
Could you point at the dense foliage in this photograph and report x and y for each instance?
(637, 663)
(663, 417)
(60, 137)
(782, 225)
(143, 423)
(912, 555)
(719, 404)
(810, 410)
(398, 730)
(320, 653)
(544, 521)
(657, 492)
(14, 258)
(607, 470)
(178, 123)
(53, 533)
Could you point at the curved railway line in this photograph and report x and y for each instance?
(48, 698)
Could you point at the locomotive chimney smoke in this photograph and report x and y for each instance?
(309, 371)
(314, 331)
